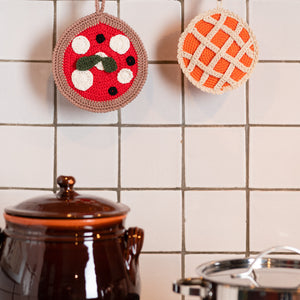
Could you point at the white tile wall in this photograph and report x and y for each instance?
(165, 205)
(208, 109)
(274, 94)
(27, 88)
(274, 155)
(160, 101)
(203, 209)
(274, 219)
(157, 23)
(26, 156)
(157, 274)
(32, 39)
(206, 176)
(90, 153)
(275, 23)
(151, 157)
(215, 157)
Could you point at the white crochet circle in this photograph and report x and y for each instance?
(80, 44)
(82, 80)
(119, 43)
(125, 76)
(99, 65)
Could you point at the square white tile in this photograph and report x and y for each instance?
(203, 232)
(215, 157)
(157, 23)
(90, 154)
(274, 219)
(14, 197)
(27, 29)
(69, 12)
(27, 156)
(107, 195)
(192, 261)
(275, 24)
(159, 214)
(274, 157)
(208, 109)
(274, 95)
(158, 272)
(160, 100)
(192, 8)
(68, 113)
(27, 93)
(151, 157)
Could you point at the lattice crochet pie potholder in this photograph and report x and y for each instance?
(217, 51)
(99, 62)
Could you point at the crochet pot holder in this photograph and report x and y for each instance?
(99, 62)
(217, 51)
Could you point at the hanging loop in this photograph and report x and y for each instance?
(99, 9)
(219, 3)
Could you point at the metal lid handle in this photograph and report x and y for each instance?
(192, 287)
(252, 266)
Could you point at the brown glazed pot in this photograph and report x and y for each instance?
(69, 246)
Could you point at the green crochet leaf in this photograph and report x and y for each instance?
(109, 64)
(87, 62)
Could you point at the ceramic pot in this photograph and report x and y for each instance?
(69, 246)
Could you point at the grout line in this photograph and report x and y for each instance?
(55, 101)
(163, 62)
(152, 125)
(118, 9)
(183, 178)
(187, 189)
(286, 61)
(218, 252)
(123, 125)
(119, 125)
(247, 142)
(26, 60)
(119, 188)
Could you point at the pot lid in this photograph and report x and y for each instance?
(249, 274)
(67, 204)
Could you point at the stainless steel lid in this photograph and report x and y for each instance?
(249, 275)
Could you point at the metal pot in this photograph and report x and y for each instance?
(69, 246)
(260, 278)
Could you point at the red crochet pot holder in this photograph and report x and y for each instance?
(100, 63)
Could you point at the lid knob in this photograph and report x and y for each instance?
(66, 191)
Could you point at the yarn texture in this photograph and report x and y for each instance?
(217, 51)
(100, 63)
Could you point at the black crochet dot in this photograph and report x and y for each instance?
(112, 91)
(100, 38)
(130, 60)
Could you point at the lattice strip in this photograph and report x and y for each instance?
(205, 41)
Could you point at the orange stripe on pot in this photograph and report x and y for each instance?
(66, 223)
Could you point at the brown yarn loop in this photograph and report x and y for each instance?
(98, 9)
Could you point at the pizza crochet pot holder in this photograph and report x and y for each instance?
(217, 51)
(99, 62)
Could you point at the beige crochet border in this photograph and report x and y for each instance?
(65, 40)
(205, 42)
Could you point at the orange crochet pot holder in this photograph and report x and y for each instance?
(99, 62)
(217, 51)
